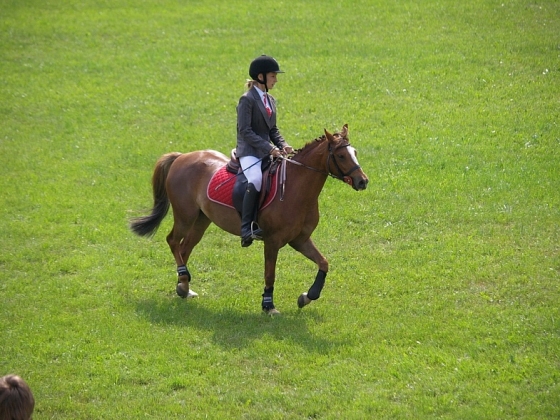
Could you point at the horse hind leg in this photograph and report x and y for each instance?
(181, 245)
(308, 249)
(270, 257)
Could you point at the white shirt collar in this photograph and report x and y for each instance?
(261, 93)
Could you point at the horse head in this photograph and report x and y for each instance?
(343, 160)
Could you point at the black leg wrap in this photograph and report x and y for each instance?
(267, 302)
(182, 271)
(315, 291)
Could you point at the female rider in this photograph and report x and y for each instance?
(257, 138)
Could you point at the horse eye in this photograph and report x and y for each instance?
(341, 156)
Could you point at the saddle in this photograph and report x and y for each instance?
(223, 189)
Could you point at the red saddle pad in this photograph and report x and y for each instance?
(220, 188)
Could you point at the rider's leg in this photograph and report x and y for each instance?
(249, 228)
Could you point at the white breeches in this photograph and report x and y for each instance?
(252, 169)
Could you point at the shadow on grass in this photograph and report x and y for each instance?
(237, 327)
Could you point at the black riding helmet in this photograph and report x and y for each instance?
(263, 65)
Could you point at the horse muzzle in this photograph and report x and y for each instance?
(359, 183)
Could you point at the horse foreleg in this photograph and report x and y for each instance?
(314, 291)
(181, 246)
(308, 249)
(270, 258)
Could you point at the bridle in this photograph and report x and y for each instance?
(342, 176)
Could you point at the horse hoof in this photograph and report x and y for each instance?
(271, 312)
(185, 295)
(303, 300)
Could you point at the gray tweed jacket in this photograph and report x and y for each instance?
(257, 133)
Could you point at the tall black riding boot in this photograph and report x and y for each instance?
(249, 229)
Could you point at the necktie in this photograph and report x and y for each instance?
(265, 100)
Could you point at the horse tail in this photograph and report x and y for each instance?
(148, 225)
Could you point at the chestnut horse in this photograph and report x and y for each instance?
(182, 180)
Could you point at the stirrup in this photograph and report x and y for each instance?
(256, 234)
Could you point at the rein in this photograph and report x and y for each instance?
(327, 172)
(344, 176)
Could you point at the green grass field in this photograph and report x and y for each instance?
(442, 299)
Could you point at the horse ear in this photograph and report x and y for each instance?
(330, 137)
(344, 131)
